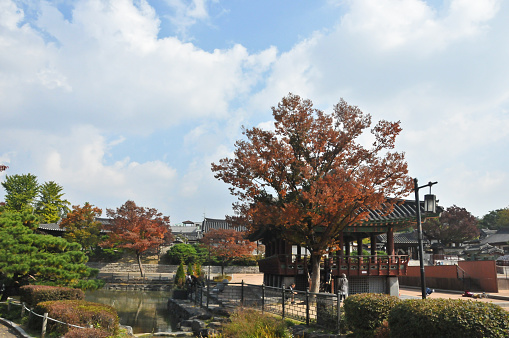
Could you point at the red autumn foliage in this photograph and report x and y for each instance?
(137, 229)
(227, 244)
(455, 225)
(309, 178)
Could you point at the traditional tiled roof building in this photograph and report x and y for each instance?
(286, 262)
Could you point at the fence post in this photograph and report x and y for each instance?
(44, 322)
(242, 293)
(208, 292)
(201, 296)
(307, 306)
(283, 300)
(22, 309)
(339, 310)
(263, 297)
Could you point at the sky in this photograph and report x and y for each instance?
(133, 100)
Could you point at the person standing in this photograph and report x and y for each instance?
(292, 292)
(343, 287)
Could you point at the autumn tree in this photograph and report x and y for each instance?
(21, 191)
(82, 227)
(309, 178)
(135, 228)
(495, 219)
(227, 245)
(51, 205)
(455, 225)
(3, 167)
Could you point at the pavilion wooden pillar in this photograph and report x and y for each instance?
(373, 244)
(359, 245)
(390, 242)
(347, 248)
(299, 252)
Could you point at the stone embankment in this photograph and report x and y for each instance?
(133, 268)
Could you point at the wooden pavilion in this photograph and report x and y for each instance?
(289, 262)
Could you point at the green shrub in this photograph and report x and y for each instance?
(448, 318)
(34, 294)
(182, 252)
(365, 312)
(190, 269)
(249, 323)
(180, 276)
(76, 312)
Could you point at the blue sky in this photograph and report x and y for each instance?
(122, 99)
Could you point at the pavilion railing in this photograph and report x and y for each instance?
(377, 265)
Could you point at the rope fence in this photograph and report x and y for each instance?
(44, 317)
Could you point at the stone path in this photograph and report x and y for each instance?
(8, 332)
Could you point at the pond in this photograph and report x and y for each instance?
(144, 311)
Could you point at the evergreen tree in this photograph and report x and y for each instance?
(190, 269)
(21, 191)
(51, 205)
(29, 258)
(180, 276)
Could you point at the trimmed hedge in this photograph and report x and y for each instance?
(86, 333)
(34, 294)
(76, 312)
(365, 312)
(448, 318)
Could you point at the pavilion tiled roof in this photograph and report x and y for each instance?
(401, 238)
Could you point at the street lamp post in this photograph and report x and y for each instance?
(429, 206)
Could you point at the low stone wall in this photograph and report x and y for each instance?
(164, 268)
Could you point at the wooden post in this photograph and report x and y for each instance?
(22, 309)
(359, 246)
(263, 297)
(338, 304)
(242, 294)
(44, 323)
(307, 306)
(283, 300)
(390, 242)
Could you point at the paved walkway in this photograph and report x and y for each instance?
(7, 331)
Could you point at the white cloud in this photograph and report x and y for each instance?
(187, 13)
(114, 71)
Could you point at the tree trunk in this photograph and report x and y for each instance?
(315, 277)
(142, 272)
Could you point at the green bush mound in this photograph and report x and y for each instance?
(76, 312)
(448, 318)
(365, 312)
(34, 294)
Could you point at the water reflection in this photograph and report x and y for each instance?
(145, 311)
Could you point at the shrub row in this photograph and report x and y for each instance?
(448, 318)
(368, 314)
(367, 311)
(34, 294)
(76, 312)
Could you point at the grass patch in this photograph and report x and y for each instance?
(251, 323)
